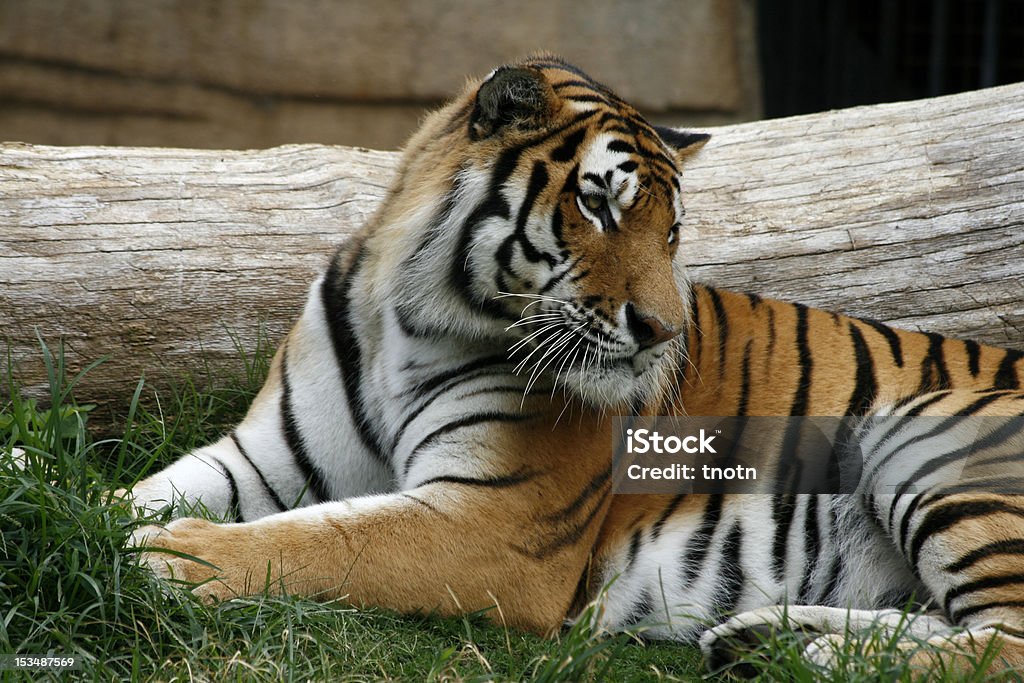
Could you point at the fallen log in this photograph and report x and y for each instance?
(164, 259)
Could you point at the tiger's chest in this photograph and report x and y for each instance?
(429, 402)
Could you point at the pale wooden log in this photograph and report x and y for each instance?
(912, 213)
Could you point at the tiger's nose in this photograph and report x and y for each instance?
(647, 330)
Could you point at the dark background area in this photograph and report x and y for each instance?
(826, 55)
(240, 74)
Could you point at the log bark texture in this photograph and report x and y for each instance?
(911, 213)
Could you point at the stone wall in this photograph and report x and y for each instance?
(257, 73)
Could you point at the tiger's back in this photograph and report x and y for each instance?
(749, 355)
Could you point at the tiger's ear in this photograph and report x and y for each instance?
(685, 143)
(511, 96)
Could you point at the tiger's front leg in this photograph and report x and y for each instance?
(518, 542)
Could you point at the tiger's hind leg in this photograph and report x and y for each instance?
(942, 479)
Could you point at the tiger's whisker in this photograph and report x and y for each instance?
(555, 348)
(537, 348)
(521, 344)
(533, 320)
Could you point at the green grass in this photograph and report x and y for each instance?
(68, 587)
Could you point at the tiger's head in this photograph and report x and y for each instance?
(541, 210)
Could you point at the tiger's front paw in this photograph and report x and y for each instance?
(191, 551)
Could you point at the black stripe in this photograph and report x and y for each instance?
(634, 549)
(539, 179)
(502, 389)
(629, 167)
(830, 594)
(429, 385)
(1004, 484)
(800, 399)
(1008, 430)
(908, 514)
(1006, 546)
(581, 596)
(570, 534)
(962, 614)
(998, 484)
(1006, 376)
(420, 501)
(783, 510)
(1016, 632)
(812, 547)
(465, 421)
(618, 145)
(679, 139)
(573, 83)
(557, 278)
(266, 485)
(600, 99)
(410, 328)
(741, 410)
(640, 609)
(934, 374)
(904, 401)
(895, 347)
(771, 335)
(559, 64)
(651, 178)
(731, 571)
(336, 292)
(234, 511)
(789, 473)
(722, 324)
(943, 517)
(865, 387)
(595, 485)
(580, 275)
(696, 551)
(310, 472)
(978, 585)
(945, 424)
(556, 232)
(698, 333)
(567, 150)
(973, 356)
(665, 515)
(500, 482)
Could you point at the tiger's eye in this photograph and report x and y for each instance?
(593, 202)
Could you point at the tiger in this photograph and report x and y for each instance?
(435, 432)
